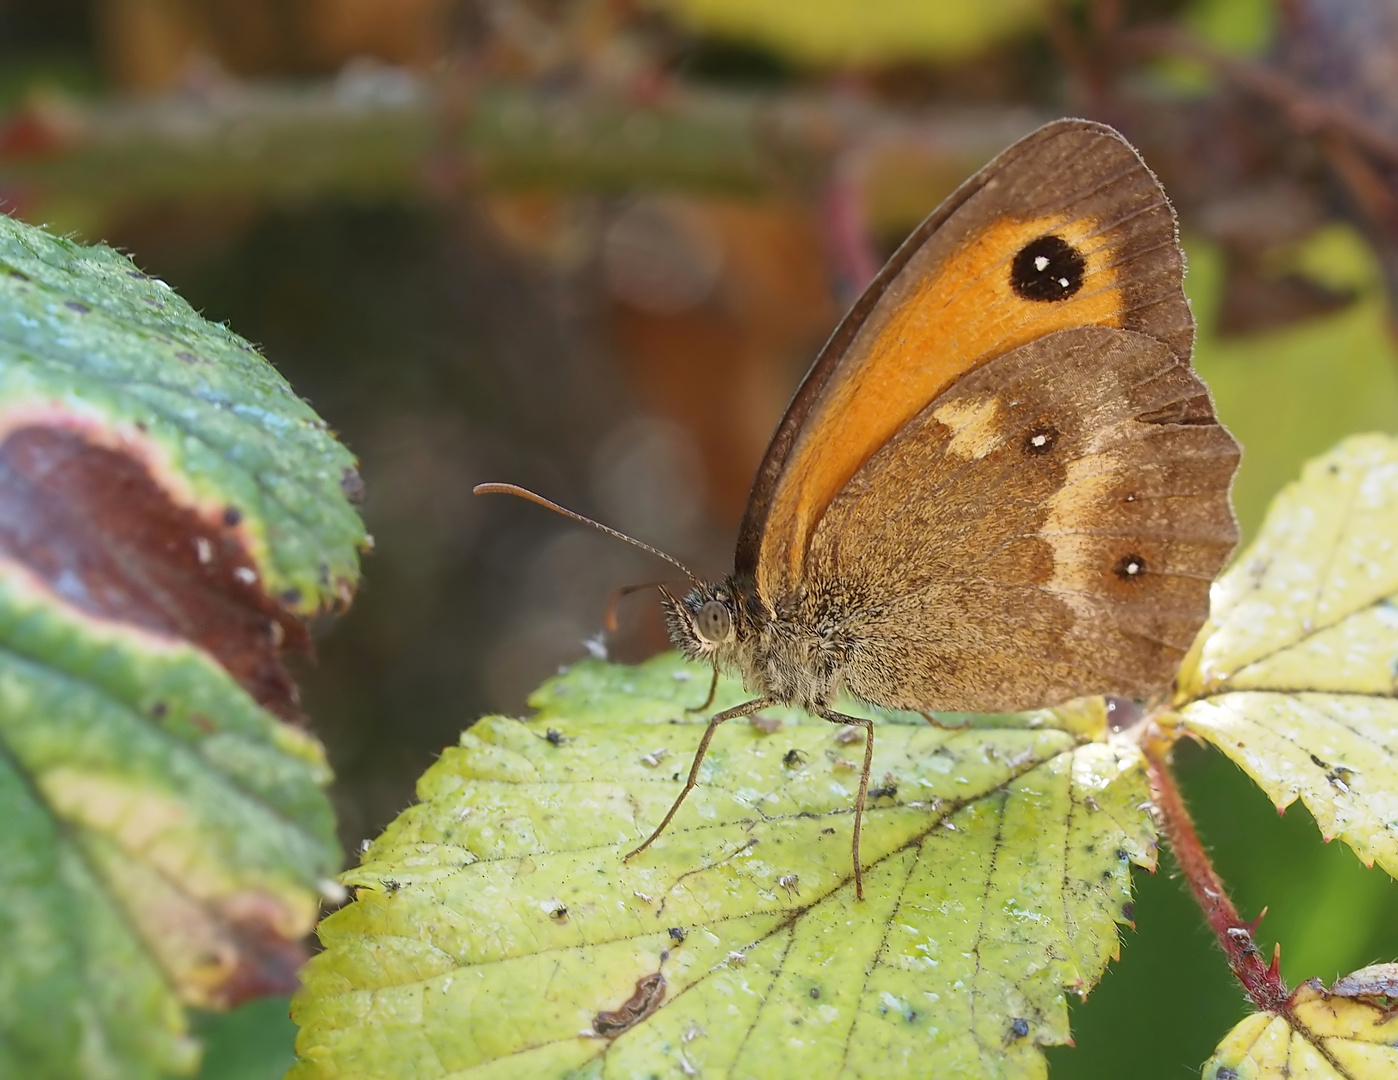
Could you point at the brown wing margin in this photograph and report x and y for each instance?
(1172, 325)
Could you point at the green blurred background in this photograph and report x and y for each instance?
(590, 246)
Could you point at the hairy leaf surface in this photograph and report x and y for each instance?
(498, 933)
(1295, 675)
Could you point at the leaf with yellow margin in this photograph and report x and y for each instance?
(1322, 1035)
(1295, 675)
(497, 932)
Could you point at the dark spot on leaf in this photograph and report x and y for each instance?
(829, 832)
(1318, 763)
(188, 357)
(159, 709)
(231, 516)
(555, 737)
(1225, 1073)
(18, 275)
(649, 993)
(74, 305)
(1019, 1028)
(266, 962)
(815, 993)
(676, 933)
(291, 597)
(1047, 269)
(96, 527)
(1128, 911)
(138, 275)
(1130, 567)
(1041, 440)
(352, 485)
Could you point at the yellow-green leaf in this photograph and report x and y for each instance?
(497, 932)
(1295, 674)
(1321, 1036)
(848, 31)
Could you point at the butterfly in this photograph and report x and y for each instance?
(1001, 485)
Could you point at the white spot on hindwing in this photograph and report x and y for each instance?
(1041, 263)
(974, 426)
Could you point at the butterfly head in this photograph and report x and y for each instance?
(704, 623)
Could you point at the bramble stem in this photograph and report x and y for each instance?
(1263, 982)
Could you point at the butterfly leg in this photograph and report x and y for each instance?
(746, 709)
(713, 689)
(868, 726)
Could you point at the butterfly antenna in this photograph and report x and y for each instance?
(525, 493)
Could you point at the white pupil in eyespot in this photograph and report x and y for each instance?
(713, 621)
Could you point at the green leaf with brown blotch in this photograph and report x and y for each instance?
(1294, 676)
(497, 932)
(169, 513)
(92, 349)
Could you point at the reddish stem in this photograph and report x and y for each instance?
(847, 230)
(1263, 982)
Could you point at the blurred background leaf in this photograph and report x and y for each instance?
(832, 32)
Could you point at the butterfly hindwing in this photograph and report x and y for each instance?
(1047, 528)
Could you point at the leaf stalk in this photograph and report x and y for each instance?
(1262, 981)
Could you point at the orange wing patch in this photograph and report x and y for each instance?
(954, 321)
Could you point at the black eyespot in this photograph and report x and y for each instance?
(1048, 268)
(1040, 440)
(1130, 567)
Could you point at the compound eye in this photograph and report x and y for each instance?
(713, 622)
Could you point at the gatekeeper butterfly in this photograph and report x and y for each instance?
(1001, 485)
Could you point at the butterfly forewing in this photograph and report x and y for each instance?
(1067, 228)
